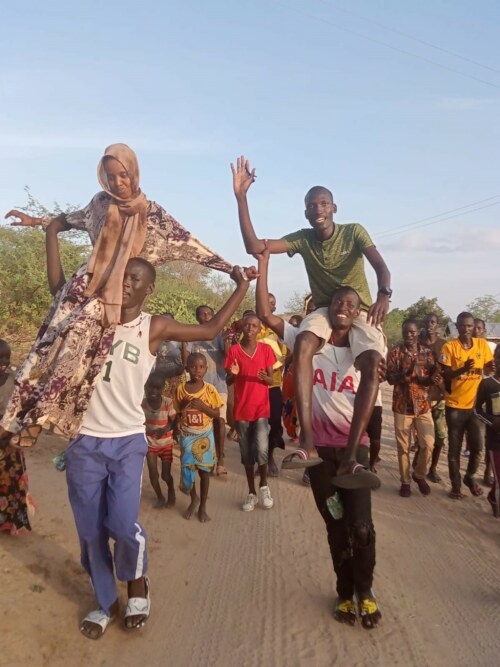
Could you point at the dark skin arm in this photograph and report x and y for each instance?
(163, 328)
(265, 375)
(451, 375)
(55, 272)
(243, 177)
(262, 305)
(380, 308)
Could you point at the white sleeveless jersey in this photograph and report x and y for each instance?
(115, 406)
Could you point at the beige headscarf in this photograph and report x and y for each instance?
(121, 237)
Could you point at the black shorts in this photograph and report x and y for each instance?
(374, 428)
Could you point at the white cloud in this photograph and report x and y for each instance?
(473, 240)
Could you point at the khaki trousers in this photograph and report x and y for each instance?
(425, 431)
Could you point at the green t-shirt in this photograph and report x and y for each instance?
(336, 262)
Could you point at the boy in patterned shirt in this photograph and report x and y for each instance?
(160, 415)
(197, 403)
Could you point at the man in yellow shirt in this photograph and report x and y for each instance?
(464, 360)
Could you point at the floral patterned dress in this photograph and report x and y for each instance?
(13, 477)
(56, 380)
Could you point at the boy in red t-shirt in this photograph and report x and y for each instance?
(249, 366)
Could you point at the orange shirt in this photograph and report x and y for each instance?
(464, 387)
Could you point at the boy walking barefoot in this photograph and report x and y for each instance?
(198, 404)
(160, 416)
(249, 366)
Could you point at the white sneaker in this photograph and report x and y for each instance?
(249, 503)
(265, 497)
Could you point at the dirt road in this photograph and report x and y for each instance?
(257, 589)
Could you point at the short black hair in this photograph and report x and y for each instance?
(156, 376)
(317, 188)
(246, 313)
(463, 315)
(428, 315)
(4, 345)
(147, 265)
(203, 305)
(478, 319)
(194, 356)
(408, 321)
(346, 288)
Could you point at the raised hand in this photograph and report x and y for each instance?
(234, 369)
(243, 176)
(24, 219)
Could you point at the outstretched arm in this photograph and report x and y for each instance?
(163, 328)
(262, 306)
(243, 177)
(55, 271)
(380, 308)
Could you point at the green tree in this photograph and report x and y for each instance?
(485, 307)
(295, 304)
(392, 326)
(23, 279)
(419, 309)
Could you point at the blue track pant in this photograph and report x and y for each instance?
(104, 478)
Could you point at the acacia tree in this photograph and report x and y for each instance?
(485, 307)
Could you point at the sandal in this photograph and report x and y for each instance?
(345, 611)
(26, 437)
(358, 478)
(456, 495)
(98, 618)
(139, 607)
(370, 613)
(299, 459)
(473, 486)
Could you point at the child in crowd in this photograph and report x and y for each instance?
(249, 366)
(197, 404)
(160, 418)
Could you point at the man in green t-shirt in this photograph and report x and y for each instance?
(334, 257)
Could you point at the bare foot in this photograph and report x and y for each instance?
(373, 469)
(160, 503)
(171, 496)
(203, 516)
(192, 508)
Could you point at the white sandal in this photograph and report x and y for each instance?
(97, 617)
(139, 607)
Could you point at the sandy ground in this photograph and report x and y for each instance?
(257, 589)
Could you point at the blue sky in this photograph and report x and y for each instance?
(313, 92)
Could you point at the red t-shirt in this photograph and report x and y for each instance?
(251, 395)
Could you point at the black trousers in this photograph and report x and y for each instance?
(351, 538)
(276, 427)
(462, 422)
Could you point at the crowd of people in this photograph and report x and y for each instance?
(126, 387)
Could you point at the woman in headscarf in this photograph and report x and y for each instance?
(55, 382)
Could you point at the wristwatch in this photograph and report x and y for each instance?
(385, 290)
